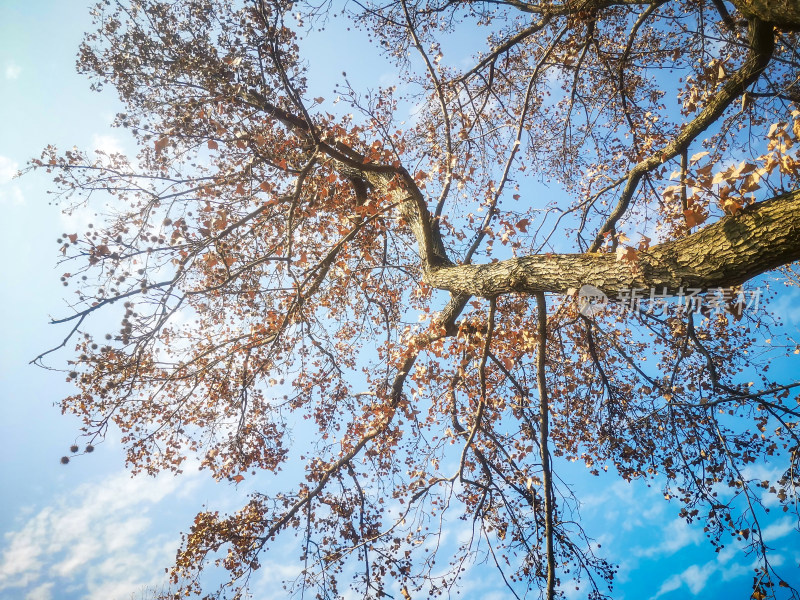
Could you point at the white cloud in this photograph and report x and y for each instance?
(42, 592)
(13, 70)
(787, 307)
(8, 168)
(78, 218)
(107, 143)
(9, 194)
(696, 577)
(677, 535)
(725, 555)
(736, 570)
(13, 195)
(670, 585)
(777, 530)
(105, 539)
(575, 590)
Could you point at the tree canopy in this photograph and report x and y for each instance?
(397, 307)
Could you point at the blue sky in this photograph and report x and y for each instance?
(89, 530)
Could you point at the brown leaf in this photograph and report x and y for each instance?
(626, 253)
(731, 206)
(160, 144)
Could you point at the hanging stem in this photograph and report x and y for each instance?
(544, 413)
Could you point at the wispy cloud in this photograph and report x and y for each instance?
(12, 70)
(8, 168)
(676, 536)
(670, 585)
(697, 576)
(778, 530)
(105, 540)
(12, 195)
(694, 577)
(42, 592)
(786, 306)
(107, 143)
(9, 194)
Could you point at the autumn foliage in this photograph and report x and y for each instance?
(370, 305)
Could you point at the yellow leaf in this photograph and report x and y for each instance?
(721, 176)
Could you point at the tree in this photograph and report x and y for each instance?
(280, 265)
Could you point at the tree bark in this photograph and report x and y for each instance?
(762, 237)
(784, 14)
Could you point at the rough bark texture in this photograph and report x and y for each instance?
(781, 13)
(729, 252)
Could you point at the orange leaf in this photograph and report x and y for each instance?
(694, 217)
(212, 145)
(238, 478)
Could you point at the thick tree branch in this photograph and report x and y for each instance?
(781, 13)
(733, 250)
(762, 44)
